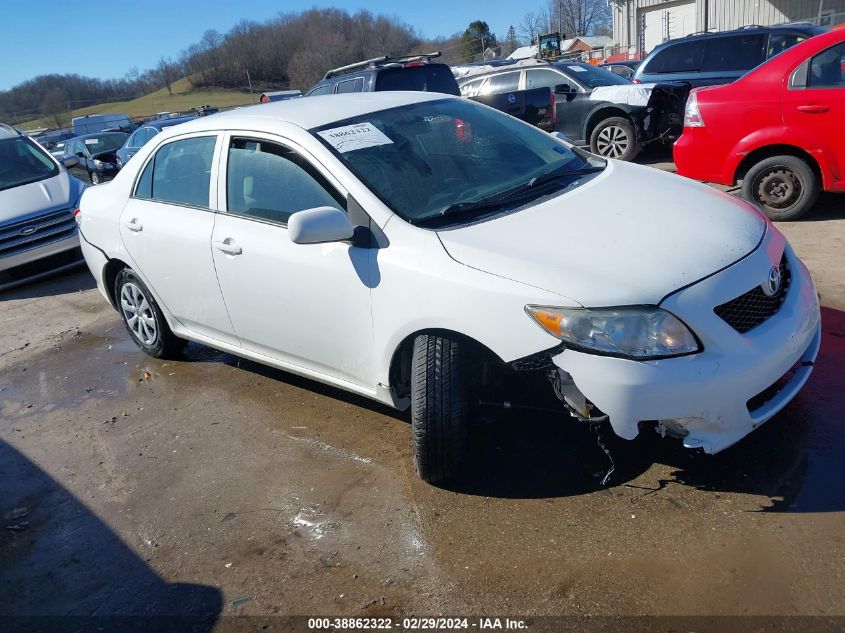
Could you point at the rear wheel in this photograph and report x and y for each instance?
(438, 407)
(784, 187)
(615, 138)
(143, 318)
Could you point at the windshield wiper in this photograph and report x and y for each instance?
(531, 186)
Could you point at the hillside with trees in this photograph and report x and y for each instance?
(292, 50)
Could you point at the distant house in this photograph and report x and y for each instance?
(279, 95)
(585, 43)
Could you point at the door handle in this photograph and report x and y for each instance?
(228, 246)
(134, 225)
(813, 109)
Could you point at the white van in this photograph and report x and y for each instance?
(93, 123)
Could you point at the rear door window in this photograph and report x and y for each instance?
(180, 172)
(677, 58)
(739, 52)
(827, 69)
(356, 84)
(506, 82)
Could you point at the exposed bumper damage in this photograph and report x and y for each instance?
(714, 398)
(657, 109)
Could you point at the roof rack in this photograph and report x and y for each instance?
(384, 59)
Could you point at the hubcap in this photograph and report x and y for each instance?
(612, 141)
(778, 188)
(138, 314)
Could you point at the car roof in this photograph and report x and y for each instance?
(7, 131)
(175, 120)
(97, 135)
(801, 27)
(308, 112)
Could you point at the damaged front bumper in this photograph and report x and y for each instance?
(739, 381)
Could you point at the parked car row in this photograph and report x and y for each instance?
(777, 129)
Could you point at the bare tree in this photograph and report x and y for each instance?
(577, 17)
(530, 26)
(166, 72)
(54, 106)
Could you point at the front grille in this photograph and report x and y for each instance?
(23, 235)
(754, 307)
(40, 266)
(770, 393)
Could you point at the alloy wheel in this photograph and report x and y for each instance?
(138, 314)
(612, 141)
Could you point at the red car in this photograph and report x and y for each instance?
(780, 129)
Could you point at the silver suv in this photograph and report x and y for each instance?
(38, 234)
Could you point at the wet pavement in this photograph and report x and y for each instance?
(215, 486)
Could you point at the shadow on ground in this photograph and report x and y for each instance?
(62, 568)
(795, 459)
(62, 283)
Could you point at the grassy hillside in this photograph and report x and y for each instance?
(183, 98)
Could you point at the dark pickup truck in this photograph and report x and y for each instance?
(535, 106)
(595, 107)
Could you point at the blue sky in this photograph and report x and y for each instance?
(61, 36)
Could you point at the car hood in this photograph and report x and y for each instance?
(632, 235)
(58, 192)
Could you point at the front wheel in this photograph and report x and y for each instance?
(615, 137)
(143, 318)
(784, 187)
(438, 407)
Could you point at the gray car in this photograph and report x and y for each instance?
(38, 233)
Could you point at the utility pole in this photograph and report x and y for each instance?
(249, 81)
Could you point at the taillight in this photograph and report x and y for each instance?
(554, 109)
(635, 81)
(692, 115)
(463, 131)
(77, 216)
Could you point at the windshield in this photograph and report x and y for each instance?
(97, 144)
(592, 76)
(23, 162)
(427, 159)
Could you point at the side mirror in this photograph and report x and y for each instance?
(319, 225)
(70, 161)
(562, 89)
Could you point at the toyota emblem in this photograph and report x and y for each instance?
(772, 285)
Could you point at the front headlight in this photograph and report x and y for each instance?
(641, 332)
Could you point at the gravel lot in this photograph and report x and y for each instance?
(213, 485)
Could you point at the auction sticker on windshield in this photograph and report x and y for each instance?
(357, 136)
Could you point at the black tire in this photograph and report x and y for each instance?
(784, 187)
(163, 344)
(438, 408)
(615, 138)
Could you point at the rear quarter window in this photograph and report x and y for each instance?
(676, 58)
(739, 52)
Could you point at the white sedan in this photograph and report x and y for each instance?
(420, 249)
